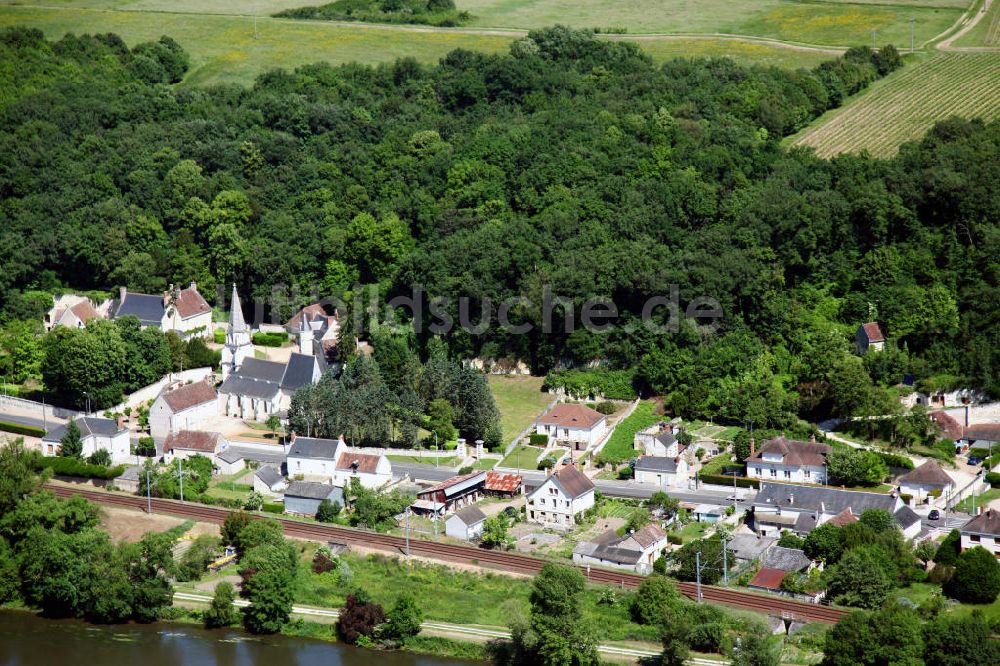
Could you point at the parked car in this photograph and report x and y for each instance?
(934, 515)
(975, 460)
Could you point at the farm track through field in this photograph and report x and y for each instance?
(493, 32)
(501, 561)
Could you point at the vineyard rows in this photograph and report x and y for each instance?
(907, 104)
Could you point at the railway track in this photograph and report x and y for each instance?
(506, 562)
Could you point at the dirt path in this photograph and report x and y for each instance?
(968, 22)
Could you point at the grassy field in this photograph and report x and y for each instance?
(448, 461)
(620, 445)
(520, 400)
(906, 104)
(986, 32)
(967, 505)
(525, 457)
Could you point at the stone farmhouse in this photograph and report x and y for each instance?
(183, 310)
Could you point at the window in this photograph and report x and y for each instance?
(567, 504)
(974, 538)
(808, 474)
(788, 474)
(774, 473)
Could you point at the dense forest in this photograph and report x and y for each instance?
(441, 13)
(571, 163)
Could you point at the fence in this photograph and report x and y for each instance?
(147, 393)
(527, 431)
(43, 410)
(607, 436)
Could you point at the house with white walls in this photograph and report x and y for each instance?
(561, 497)
(783, 459)
(577, 426)
(182, 407)
(95, 433)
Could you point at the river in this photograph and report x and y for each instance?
(27, 640)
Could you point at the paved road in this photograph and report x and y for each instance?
(25, 420)
(421, 472)
(257, 455)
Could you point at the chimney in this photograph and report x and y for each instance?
(291, 440)
(340, 440)
(549, 471)
(193, 285)
(121, 422)
(753, 447)
(812, 438)
(122, 293)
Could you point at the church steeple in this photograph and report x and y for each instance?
(238, 345)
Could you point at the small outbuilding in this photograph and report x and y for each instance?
(928, 480)
(304, 497)
(229, 462)
(465, 524)
(267, 480)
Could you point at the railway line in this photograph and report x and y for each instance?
(507, 562)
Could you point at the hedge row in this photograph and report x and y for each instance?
(270, 339)
(273, 507)
(20, 429)
(538, 439)
(719, 480)
(896, 460)
(76, 467)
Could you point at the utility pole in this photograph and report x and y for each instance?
(149, 496)
(255, 35)
(912, 22)
(407, 531)
(697, 573)
(437, 454)
(735, 501)
(725, 562)
(180, 474)
(435, 521)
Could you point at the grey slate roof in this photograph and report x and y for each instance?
(313, 447)
(298, 372)
(89, 425)
(229, 456)
(813, 498)
(146, 307)
(268, 371)
(248, 386)
(471, 515)
(750, 546)
(905, 517)
(666, 438)
(131, 473)
(656, 464)
(270, 475)
(786, 559)
(310, 490)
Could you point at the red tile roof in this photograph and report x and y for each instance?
(568, 415)
(189, 395)
(448, 483)
(193, 440)
(84, 311)
(648, 535)
(946, 422)
(366, 463)
(794, 452)
(845, 517)
(873, 332)
(190, 302)
(502, 483)
(313, 311)
(769, 579)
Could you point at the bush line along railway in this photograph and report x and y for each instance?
(501, 561)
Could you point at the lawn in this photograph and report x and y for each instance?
(620, 445)
(986, 32)
(693, 531)
(523, 457)
(966, 505)
(456, 596)
(610, 508)
(520, 401)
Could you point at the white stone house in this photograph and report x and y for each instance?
(313, 458)
(926, 481)
(465, 524)
(658, 440)
(73, 311)
(229, 462)
(983, 530)
(560, 498)
(267, 480)
(95, 433)
(189, 443)
(576, 425)
(636, 551)
(662, 472)
(782, 459)
(182, 407)
(372, 471)
(183, 310)
(869, 337)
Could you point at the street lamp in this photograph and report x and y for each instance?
(87, 396)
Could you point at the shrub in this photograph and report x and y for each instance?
(626, 472)
(897, 461)
(976, 579)
(273, 507)
(940, 574)
(675, 539)
(547, 462)
(906, 497)
(219, 336)
(951, 546)
(75, 467)
(606, 407)
(19, 429)
(323, 562)
(450, 446)
(718, 479)
(328, 511)
(465, 470)
(538, 439)
(270, 339)
(146, 447)
(654, 597)
(993, 478)
(358, 619)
